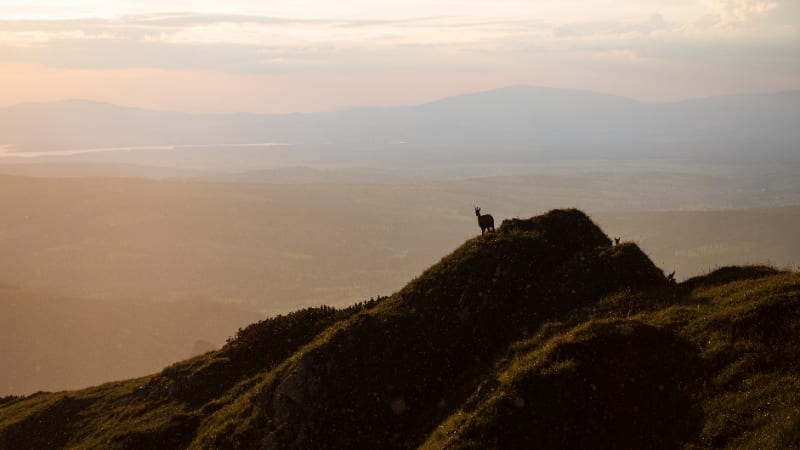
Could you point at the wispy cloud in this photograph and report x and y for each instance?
(730, 13)
(245, 38)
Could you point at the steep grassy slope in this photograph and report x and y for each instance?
(542, 334)
(715, 366)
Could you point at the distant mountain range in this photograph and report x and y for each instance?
(514, 124)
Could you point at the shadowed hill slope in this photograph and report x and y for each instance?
(442, 329)
(542, 333)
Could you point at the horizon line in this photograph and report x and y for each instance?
(368, 107)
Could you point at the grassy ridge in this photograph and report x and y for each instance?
(540, 334)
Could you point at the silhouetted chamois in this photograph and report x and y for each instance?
(671, 278)
(486, 221)
(616, 241)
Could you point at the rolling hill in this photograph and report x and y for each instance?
(543, 333)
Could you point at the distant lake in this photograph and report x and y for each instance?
(8, 151)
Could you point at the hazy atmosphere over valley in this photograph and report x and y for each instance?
(172, 172)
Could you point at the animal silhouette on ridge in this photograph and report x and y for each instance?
(486, 221)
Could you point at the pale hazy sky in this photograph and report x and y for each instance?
(308, 55)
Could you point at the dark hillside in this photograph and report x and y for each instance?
(542, 335)
(715, 367)
(611, 384)
(417, 355)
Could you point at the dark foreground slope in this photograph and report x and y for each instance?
(542, 334)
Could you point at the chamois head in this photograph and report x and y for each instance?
(616, 241)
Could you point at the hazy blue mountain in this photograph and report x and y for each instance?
(514, 124)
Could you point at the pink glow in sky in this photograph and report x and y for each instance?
(312, 55)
